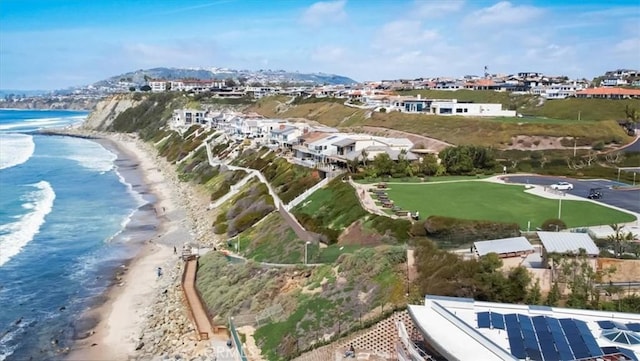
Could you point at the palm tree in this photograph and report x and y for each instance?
(619, 239)
(365, 155)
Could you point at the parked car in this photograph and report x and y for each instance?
(562, 186)
(595, 193)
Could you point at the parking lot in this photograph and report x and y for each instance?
(628, 199)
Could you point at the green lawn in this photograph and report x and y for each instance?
(496, 202)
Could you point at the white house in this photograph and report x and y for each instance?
(285, 135)
(158, 86)
(187, 117)
(453, 107)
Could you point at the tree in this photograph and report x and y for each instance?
(619, 239)
(145, 88)
(553, 297)
(365, 156)
(517, 285)
(229, 83)
(132, 88)
(383, 164)
(534, 295)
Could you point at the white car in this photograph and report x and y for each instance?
(562, 186)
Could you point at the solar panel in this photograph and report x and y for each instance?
(483, 320)
(515, 336)
(531, 346)
(634, 327)
(497, 320)
(606, 324)
(559, 339)
(629, 353)
(588, 338)
(578, 346)
(545, 339)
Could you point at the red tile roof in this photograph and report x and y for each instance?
(610, 91)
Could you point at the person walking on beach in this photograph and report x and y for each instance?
(159, 272)
(175, 250)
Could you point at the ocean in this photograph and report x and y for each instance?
(72, 211)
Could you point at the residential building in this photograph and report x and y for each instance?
(158, 85)
(609, 93)
(187, 117)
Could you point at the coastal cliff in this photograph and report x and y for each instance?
(50, 103)
(107, 110)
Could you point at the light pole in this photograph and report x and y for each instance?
(559, 207)
(306, 252)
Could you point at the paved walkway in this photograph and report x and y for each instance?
(196, 308)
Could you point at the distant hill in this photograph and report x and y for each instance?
(139, 77)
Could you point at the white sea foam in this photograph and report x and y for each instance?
(91, 155)
(14, 236)
(15, 149)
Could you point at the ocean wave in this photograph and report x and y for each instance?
(14, 236)
(91, 155)
(41, 123)
(15, 149)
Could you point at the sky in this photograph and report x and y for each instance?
(56, 44)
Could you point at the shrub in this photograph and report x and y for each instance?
(222, 189)
(220, 228)
(461, 230)
(598, 146)
(553, 224)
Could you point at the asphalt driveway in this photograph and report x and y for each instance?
(628, 199)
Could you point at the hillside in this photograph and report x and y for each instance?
(552, 118)
(140, 77)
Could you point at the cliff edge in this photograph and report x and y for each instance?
(107, 110)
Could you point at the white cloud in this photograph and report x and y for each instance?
(324, 12)
(437, 8)
(503, 13)
(630, 46)
(329, 54)
(402, 34)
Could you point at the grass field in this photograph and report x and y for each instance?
(496, 202)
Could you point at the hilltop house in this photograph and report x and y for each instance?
(445, 107)
(609, 93)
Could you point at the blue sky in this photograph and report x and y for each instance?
(54, 44)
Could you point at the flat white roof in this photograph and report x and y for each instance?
(568, 242)
(504, 245)
(451, 326)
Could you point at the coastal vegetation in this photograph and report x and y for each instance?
(314, 305)
(244, 209)
(289, 180)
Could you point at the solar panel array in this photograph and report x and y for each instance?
(543, 338)
(608, 325)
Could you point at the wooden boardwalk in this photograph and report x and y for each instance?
(197, 311)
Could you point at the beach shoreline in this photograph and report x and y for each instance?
(127, 321)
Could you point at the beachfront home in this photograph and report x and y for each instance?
(187, 117)
(336, 149)
(285, 135)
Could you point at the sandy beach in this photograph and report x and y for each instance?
(143, 310)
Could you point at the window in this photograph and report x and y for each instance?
(458, 110)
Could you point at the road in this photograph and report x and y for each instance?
(628, 199)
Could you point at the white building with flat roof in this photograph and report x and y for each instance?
(464, 329)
